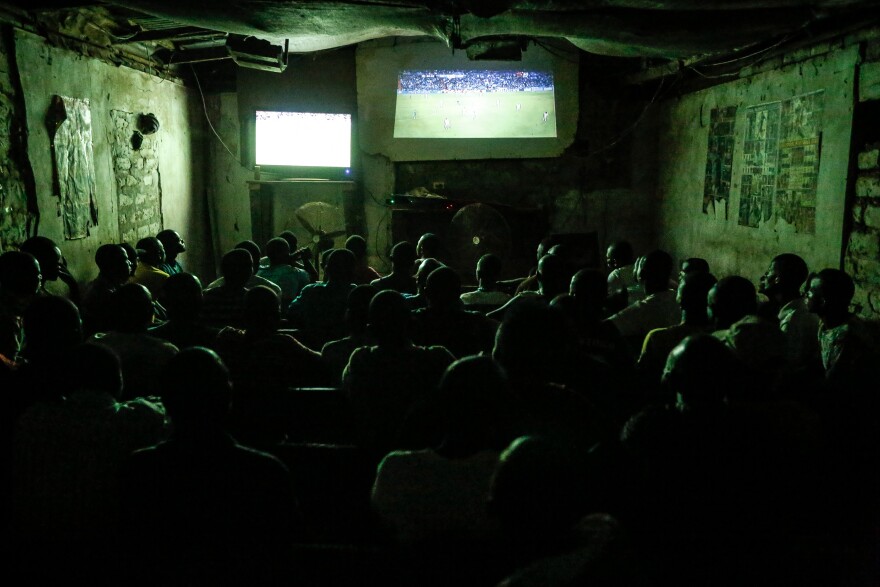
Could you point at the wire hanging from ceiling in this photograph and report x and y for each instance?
(208, 118)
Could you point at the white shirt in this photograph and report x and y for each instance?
(659, 310)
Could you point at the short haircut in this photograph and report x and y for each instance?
(657, 267)
(196, 390)
(252, 248)
(290, 238)
(278, 250)
(19, 272)
(838, 288)
(696, 265)
(357, 245)
(695, 291)
(403, 253)
(622, 251)
(489, 267)
(340, 265)
(792, 269)
(237, 267)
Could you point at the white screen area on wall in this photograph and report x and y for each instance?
(417, 101)
(303, 139)
(475, 104)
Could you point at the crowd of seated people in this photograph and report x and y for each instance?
(616, 426)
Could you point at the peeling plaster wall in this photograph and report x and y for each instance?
(47, 71)
(228, 196)
(679, 133)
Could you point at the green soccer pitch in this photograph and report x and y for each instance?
(499, 115)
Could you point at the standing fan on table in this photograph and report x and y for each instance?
(319, 225)
(475, 230)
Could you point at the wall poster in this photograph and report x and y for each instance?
(799, 146)
(759, 165)
(719, 159)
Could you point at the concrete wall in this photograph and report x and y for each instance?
(47, 71)
(581, 191)
(679, 134)
(228, 195)
(311, 83)
(862, 256)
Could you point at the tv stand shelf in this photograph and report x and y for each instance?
(274, 202)
(255, 184)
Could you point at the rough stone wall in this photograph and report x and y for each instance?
(862, 260)
(862, 254)
(13, 198)
(137, 179)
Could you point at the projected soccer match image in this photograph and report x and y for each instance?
(485, 104)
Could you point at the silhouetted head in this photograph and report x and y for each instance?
(426, 267)
(290, 238)
(488, 270)
(619, 254)
(693, 265)
(132, 255)
(731, 299)
(554, 276)
(197, 392)
(533, 494)
(589, 287)
(112, 262)
(529, 344)
(151, 251)
(340, 266)
(473, 396)
(47, 254)
(262, 309)
(357, 310)
(654, 271)
(830, 293)
(52, 326)
(20, 277)
(132, 308)
(693, 295)
(388, 318)
(237, 266)
(429, 245)
(278, 251)
(443, 288)
(358, 246)
(173, 243)
(403, 255)
(784, 277)
(252, 248)
(702, 371)
(543, 247)
(182, 297)
(94, 367)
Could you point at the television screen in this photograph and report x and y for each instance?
(303, 139)
(486, 104)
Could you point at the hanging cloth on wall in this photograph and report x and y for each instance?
(70, 129)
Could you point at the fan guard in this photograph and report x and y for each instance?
(475, 230)
(319, 226)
